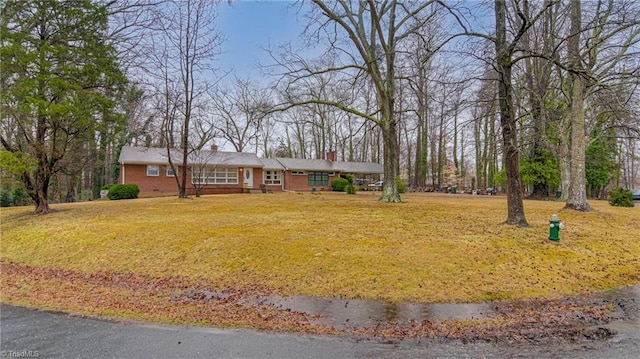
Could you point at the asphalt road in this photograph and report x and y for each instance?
(30, 333)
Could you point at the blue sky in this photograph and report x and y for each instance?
(247, 25)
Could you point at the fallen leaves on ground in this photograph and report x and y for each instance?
(190, 301)
(140, 297)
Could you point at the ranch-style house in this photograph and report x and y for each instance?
(217, 172)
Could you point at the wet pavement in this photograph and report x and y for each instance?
(34, 333)
(552, 328)
(342, 313)
(348, 313)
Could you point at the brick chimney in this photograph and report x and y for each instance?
(331, 156)
(214, 148)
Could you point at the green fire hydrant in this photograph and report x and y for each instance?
(554, 227)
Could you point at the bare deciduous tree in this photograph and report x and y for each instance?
(184, 46)
(239, 110)
(363, 40)
(577, 198)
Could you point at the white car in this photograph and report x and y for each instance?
(376, 186)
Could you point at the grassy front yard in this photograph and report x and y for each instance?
(431, 248)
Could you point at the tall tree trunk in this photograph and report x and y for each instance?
(479, 157)
(434, 160)
(422, 136)
(456, 161)
(538, 75)
(183, 172)
(72, 186)
(43, 173)
(391, 153)
(99, 163)
(577, 196)
(564, 163)
(41, 199)
(515, 206)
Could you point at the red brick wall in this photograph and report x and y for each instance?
(215, 189)
(257, 177)
(301, 182)
(163, 185)
(150, 186)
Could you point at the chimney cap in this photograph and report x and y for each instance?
(331, 156)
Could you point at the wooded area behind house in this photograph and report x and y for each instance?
(536, 98)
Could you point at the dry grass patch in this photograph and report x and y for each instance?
(431, 248)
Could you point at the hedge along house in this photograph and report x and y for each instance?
(214, 172)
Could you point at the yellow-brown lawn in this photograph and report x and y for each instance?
(430, 248)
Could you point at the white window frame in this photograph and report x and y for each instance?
(215, 175)
(276, 177)
(169, 171)
(151, 173)
(298, 173)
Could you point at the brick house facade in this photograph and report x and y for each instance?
(216, 172)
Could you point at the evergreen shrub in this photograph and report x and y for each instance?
(350, 188)
(107, 186)
(123, 191)
(5, 198)
(21, 197)
(620, 197)
(402, 187)
(339, 184)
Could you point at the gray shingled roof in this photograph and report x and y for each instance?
(271, 164)
(325, 165)
(306, 164)
(358, 167)
(144, 155)
(242, 159)
(152, 155)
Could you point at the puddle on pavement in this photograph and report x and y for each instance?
(341, 313)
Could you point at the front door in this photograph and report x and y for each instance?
(247, 177)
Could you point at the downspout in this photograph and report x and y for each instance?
(284, 175)
(284, 172)
(123, 176)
